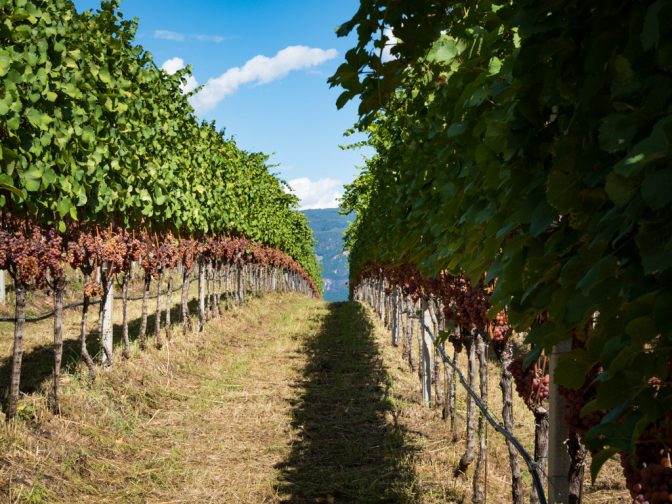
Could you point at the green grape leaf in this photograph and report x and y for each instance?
(38, 119)
(651, 30)
(31, 185)
(573, 367)
(620, 189)
(494, 66)
(64, 206)
(5, 62)
(444, 50)
(656, 188)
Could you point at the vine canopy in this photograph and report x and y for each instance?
(529, 142)
(91, 130)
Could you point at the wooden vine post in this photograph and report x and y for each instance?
(558, 457)
(395, 317)
(505, 356)
(106, 310)
(201, 295)
(479, 485)
(427, 353)
(470, 445)
(58, 295)
(17, 349)
(184, 300)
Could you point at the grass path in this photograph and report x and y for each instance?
(200, 421)
(284, 400)
(349, 446)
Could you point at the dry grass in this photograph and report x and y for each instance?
(284, 400)
(204, 421)
(347, 446)
(437, 456)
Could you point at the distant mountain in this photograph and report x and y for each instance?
(328, 227)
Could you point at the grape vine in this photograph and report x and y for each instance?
(520, 143)
(104, 165)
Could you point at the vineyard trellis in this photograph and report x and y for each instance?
(478, 400)
(525, 148)
(449, 309)
(105, 169)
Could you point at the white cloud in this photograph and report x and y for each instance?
(391, 42)
(260, 70)
(190, 85)
(181, 37)
(209, 38)
(323, 193)
(169, 35)
(173, 65)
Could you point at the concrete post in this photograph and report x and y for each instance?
(558, 457)
(395, 317)
(427, 355)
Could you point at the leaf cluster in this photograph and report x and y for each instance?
(530, 141)
(91, 130)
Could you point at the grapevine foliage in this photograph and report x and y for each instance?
(529, 142)
(93, 132)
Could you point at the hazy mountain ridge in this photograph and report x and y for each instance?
(328, 227)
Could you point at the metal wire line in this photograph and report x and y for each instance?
(529, 461)
(47, 315)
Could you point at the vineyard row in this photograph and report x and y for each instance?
(525, 149)
(225, 267)
(425, 315)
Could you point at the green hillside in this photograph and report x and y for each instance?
(328, 227)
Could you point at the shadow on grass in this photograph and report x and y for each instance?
(350, 448)
(36, 368)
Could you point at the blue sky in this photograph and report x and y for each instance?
(282, 105)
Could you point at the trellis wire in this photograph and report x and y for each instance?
(47, 315)
(529, 461)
